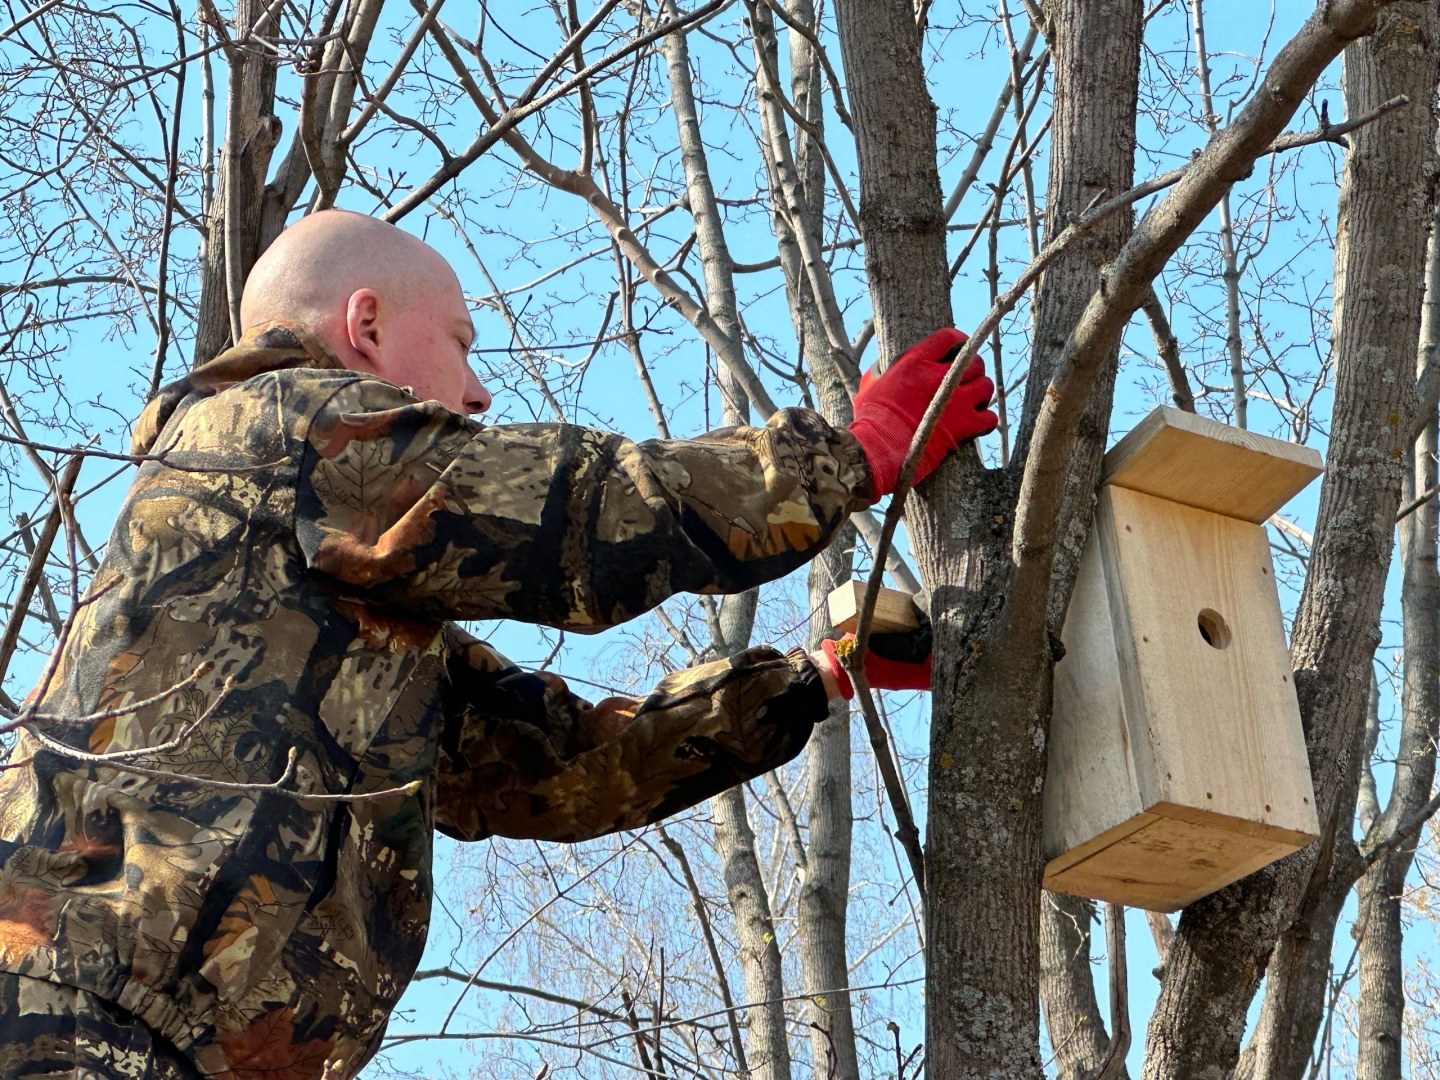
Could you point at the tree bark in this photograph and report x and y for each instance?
(991, 703)
(1296, 999)
(1224, 942)
(793, 199)
(769, 1047)
(251, 132)
(709, 229)
(1096, 50)
(1382, 990)
(327, 97)
(1067, 986)
(825, 890)
(900, 209)
(768, 1052)
(825, 894)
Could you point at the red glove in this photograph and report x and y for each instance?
(889, 407)
(881, 672)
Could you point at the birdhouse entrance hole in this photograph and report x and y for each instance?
(1213, 628)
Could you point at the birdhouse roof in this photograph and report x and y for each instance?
(1199, 462)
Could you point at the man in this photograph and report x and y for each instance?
(216, 824)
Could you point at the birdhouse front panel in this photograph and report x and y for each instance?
(1204, 661)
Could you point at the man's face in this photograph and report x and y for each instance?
(425, 345)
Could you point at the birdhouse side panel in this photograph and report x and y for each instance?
(1211, 666)
(1090, 784)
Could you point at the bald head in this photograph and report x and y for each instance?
(384, 301)
(311, 269)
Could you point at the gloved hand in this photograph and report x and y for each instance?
(899, 661)
(888, 409)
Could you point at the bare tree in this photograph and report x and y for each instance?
(672, 216)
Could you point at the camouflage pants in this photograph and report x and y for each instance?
(53, 1031)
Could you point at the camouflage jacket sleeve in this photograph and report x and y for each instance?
(428, 512)
(521, 756)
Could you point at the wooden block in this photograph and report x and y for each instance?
(1189, 459)
(894, 610)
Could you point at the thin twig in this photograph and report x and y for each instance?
(172, 171)
(114, 757)
(697, 900)
(504, 123)
(1169, 350)
(21, 601)
(1112, 1066)
(1402, 834)
(1417, 502)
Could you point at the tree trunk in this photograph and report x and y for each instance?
(709, 229)
(991, 704)
(760, 963)
(245, 207)
(326, 101)
(1067, 986)
(825, 894)
(1224, 942)
(251, 132)
(769, 1047)
(900, 208)
(1296, 999)
(1096, 52)
(1382, 989)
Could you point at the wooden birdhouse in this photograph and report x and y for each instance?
(1177, 760)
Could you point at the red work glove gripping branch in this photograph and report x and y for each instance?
(889, 408)
(895, 661)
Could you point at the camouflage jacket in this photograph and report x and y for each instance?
(278, 589)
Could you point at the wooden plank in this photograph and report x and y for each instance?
(1222, 723)
(894, 610)
(1166, 864)
(1211, 466)
(1090, 784)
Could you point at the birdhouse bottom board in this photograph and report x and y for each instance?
(1169, 856)
(1177, 760)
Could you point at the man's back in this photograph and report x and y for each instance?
(182, 899)
(270, 624)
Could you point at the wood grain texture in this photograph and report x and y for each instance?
(1090, 785)
(1223, 723)
(894, 610)
(1211, 466)
(1161, 862)
(1177, 762)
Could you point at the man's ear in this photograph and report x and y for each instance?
(362, 326)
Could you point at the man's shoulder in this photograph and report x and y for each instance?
(299, 386)
(301, 394)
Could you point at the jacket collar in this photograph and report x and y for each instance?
(271, 346)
